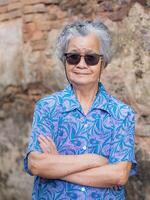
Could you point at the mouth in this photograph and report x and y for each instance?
(80, 73)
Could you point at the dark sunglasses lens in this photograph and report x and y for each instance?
(73, 59)
(92, 59)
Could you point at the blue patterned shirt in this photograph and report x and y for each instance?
(107, 129)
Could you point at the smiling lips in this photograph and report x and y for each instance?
(80, 73)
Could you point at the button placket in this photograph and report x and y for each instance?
(84, 147)
(83, 189)
(85, 125)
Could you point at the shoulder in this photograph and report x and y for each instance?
(119, 110)
(51, 101)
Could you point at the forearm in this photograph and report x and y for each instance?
(57, 166)
(105, 176)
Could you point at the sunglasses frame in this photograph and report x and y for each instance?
(85, 55)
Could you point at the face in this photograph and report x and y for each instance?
(82, 73)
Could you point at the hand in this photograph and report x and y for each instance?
(47, 145)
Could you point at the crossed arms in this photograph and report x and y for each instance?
(85, 169)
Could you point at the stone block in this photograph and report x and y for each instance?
(14, 1)
(38, 45)
(3, 9)
(28, 9)
(53, 1)
(15, 14)
(55, 12)
(31, 2)
(4, 17)
(43, 26)
(40, 17)
(14, 6)
(55, 24)
(37, 35)
(4, 2)
(28, 18)
(30, 27)
(39, 8)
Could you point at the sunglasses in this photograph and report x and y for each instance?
(75, 58)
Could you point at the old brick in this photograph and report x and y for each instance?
(55, 24)
(21, 96)
(56, 12)
(4, 2)
(39, 45)
(41, 17)
(119, 15)
(28, 18)
(28, 9)
(14, 6)
(4, 17)
(34, 91)
(12, 90)
(30, 27)
(15, 14)
(53, 1)
(43, 26)
(3, 9)
(52, 16)
(25, 37)
(37, 35)
(14, 1)
(40, 8)
(32, 2)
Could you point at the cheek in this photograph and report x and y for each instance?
(68, 70)
(96, 71)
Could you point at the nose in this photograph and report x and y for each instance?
(82, 64)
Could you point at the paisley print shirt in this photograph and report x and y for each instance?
(107, 129)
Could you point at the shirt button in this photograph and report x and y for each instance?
(84, 147)
(82, 189)
(85, 125)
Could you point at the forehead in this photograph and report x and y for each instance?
(84, 43)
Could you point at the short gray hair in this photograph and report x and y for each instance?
(83, 28)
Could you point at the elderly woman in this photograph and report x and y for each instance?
(82, 141)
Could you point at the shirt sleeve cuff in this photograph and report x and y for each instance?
(26, 169)
(133, 170)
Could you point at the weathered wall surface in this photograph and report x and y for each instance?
(29, 70)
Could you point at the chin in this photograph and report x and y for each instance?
(80, 81)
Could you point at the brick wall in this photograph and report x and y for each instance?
(41, 16)
(38, 17)
(10, 10)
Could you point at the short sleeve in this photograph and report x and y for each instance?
(123, 142)
(42, 124)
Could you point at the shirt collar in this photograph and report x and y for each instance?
(70, 101)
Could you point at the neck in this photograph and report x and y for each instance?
(86, 95)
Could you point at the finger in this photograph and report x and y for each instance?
(47, 144)
(54, 148)
(48, 141)
(44, 140)
(44, 148)
(52, 142)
